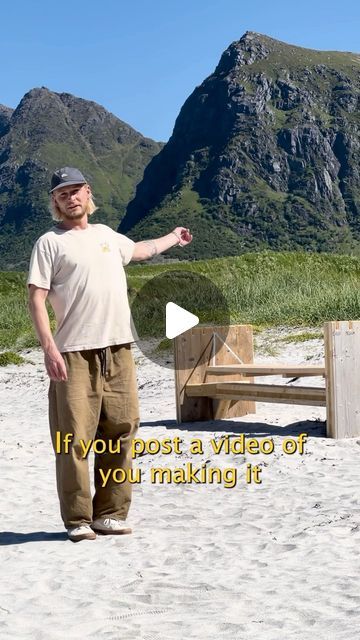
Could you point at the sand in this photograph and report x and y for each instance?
(275, 560)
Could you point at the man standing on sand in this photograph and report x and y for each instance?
(93, 391)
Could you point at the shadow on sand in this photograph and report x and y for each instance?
(314, 428)
(12, 537)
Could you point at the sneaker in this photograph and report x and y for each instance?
(108, 526)
(81, 532)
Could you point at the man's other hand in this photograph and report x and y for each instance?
(55, 365)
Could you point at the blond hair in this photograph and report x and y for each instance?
(57, 215)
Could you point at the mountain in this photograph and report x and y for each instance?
(264, 154)
(48, 130)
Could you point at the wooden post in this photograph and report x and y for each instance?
(193, 353)
(342, 367)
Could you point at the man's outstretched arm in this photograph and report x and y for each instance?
(146, 249)
(54, 362)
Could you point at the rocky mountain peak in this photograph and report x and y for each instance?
(250, 48)
(40, 115)
(34, 96)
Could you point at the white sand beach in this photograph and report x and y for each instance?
(276, 560)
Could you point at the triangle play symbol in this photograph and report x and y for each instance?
(178, 320)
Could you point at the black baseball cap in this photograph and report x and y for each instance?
(66, 176)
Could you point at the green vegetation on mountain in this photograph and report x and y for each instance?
(264, 155)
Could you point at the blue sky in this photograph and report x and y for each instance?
(142, 59)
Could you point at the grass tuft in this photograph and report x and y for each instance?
(164, 346)
(303, 337)
(10, 357)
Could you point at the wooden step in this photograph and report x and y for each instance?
(313, 396)
(273, 369)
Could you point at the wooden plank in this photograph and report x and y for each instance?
(239, 341)
(187, 351)
(342, 364)
(221, 407)
(313, 396)
(272, 369)
(206, 388)
(308, 401)
(329, 327)
(193, 355)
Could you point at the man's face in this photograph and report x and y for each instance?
(72, 200)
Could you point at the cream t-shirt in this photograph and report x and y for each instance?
(83, 271)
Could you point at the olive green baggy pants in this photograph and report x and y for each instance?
(98, 400)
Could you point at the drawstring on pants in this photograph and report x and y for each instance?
(102, 357)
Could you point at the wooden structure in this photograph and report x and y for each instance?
(215, 371)
(342, 361)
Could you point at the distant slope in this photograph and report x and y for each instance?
(264, 154)
(48, 130)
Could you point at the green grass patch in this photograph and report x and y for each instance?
(10, 357)
(16, 330)
(271, 289)
(164, 346)
(266, 349)
(303, 337)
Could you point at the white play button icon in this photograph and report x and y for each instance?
(178, 320)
